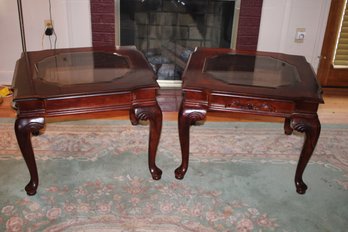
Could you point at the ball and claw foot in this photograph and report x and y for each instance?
(156, 174)
(180, 173)
(301, 187)
(31, 188)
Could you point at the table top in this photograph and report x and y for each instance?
(81, 71)
(255, 74)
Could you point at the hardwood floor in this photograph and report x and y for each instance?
(334, 111)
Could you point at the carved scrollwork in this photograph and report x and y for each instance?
(299, 126)
(251, 106)
(30, 125)
(35, 128)
(194, 116)
(143, 114)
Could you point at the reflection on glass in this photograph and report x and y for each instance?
(82, 68)
(248, 70)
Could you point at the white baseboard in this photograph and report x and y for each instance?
(6, 77)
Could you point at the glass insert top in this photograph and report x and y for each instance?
(258, 71)
(82, 68)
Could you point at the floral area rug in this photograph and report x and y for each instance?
(94, 177)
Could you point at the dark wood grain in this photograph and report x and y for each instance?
(24, 128)
(35, 99)
(297, 102)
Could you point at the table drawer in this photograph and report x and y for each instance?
(246, 104)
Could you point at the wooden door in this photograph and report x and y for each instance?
(327, 73)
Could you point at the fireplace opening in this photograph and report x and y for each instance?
(167, 31)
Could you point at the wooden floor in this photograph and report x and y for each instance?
(334, 111)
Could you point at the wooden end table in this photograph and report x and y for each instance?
(258, 83)
(62, 82)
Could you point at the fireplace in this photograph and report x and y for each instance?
(167, 31)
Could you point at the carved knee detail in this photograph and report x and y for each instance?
(310, 126)
(144, 114)
(195, 116)
(30, 125)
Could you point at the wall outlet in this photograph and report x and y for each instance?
(48, 23)
(300, 35)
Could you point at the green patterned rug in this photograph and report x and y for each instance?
(94, 177)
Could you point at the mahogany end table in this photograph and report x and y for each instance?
(257, 83)
(62, 82)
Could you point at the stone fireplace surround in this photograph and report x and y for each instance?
(103, 23)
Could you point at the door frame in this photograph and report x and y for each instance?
(326, 72)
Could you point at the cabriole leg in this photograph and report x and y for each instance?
(186, 118)
(154, 115)
(24, 128)
(311, 127)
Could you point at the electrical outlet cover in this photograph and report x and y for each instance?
(300, 35)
